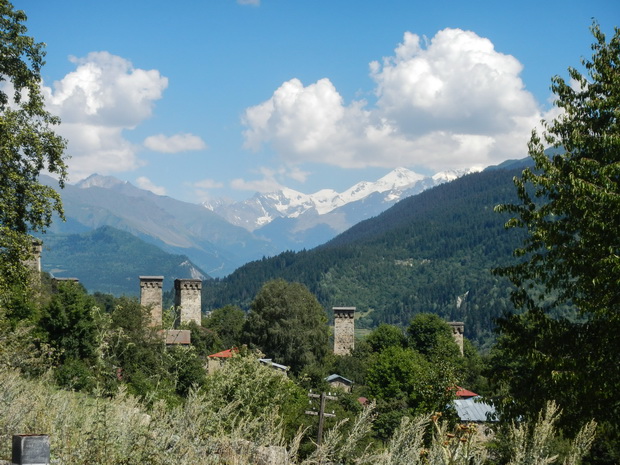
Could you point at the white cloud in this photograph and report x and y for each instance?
(297, 174)
(451, 102)
(104, 96)
(145, 183)
(174, 144)
(249, 2)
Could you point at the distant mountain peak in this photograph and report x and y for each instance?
(262, 209)
(98, 180)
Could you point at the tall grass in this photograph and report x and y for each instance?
(122, 430)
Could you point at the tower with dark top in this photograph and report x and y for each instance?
(458, 328)
(151, 297)
(344, 330)
(188, 299)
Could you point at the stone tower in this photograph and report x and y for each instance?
(34, 263)
(344, 330)
(151, 296)
(458, 328)
(188, 299)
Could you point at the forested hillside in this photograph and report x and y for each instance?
(110, 260)
(429, 253)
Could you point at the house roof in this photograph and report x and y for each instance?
(268, 361)
(225, 353)
(474, 410)
(335, 377)
(464, 393)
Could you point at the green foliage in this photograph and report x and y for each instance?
(405, 383)
(68, 323)
(204, 340)
(287, 324)
(227, 322)
(207, 430)
(533, 442)
(133, 353)
(256, 391)
(28, 145)
(431, 336)
(569, 206)
(385, 336)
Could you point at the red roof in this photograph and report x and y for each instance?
(225, 353)
(464, 393)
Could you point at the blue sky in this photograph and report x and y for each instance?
(208, 98)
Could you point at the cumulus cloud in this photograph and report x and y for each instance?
(104, 96)
(145, 183)
(174, 144)
(449, 102)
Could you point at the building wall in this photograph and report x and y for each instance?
(458, 328)
(188, 299)
(344, 330)
(151, 296)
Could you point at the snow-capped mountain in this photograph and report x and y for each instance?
(262, 209)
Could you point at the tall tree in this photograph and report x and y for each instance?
(28, 145)
(287, 323)
(227, 322)
(430, 335)
(569, 205)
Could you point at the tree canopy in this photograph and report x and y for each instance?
(288, 324)
(569, 205)
(28, 145)
(430, 335)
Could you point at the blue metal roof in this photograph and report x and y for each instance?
(336, 377)
(474, 409)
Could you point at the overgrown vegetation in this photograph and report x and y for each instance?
(209, 429)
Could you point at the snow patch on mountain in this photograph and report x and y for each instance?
(262, 209)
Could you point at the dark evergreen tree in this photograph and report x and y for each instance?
(287, 324)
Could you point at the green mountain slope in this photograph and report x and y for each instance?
(111, 261)
(429, 253)
(177, 227)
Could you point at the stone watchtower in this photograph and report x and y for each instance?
(34, 262)
(458, 328)
(188, 299)
(344, 330)
(151, 296)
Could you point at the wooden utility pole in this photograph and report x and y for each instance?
(321, 413)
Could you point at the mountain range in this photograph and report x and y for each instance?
(292, 220)
(220, 237)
